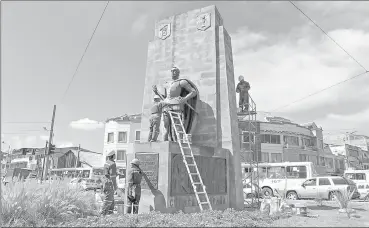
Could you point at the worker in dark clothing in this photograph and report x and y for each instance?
(110, 184)
(243, 88)
(155, 118)
(134, 187)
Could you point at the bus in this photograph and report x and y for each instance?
(71, 173)
(278, 176)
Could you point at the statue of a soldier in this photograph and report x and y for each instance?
(180, 96)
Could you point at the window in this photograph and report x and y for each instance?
(311, 182)
(320, 144)
(137, 135)
(273, 139)
(122, 137)
(360, 186)
(291, 140)
(246, 136)
(322, 161)
(356, 176)
(121, 155)
(265, 157)
(324, 181)
(329, 162)
(307, 142)
(110, 137)
(276, 157)
(296, 172)
(339, 181)
(276, 172)
(303, 157)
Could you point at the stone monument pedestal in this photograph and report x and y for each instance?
(166, 186)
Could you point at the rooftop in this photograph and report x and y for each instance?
(126, 118)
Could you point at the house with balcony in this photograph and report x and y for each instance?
(120, 133)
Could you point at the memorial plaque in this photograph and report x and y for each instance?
(150, 166)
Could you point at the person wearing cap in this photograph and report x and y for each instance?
(243, 88)
(181, 97)
(155, 118)
(134, 178)
(109, 184)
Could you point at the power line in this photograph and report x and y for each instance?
(321, 91)
(329, 36)
(88, 44)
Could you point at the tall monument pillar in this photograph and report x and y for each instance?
(197, 43)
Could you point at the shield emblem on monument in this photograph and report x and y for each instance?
(164, 31)
(203, 21)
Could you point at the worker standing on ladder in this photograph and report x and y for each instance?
(180, 94)
(243, 88)
(134, 178)
(155, 118)
(110, 184)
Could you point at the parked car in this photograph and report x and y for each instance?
(323, 187)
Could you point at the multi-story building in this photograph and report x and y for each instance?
(120, 132)
(278, 140)
(361, 141)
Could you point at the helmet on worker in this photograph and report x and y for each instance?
(175, 69)
(110, 154)
(240, 78)
(156, 97)
(135, 161)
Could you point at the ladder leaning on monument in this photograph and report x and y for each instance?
(201, 195)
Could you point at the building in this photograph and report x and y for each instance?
(119, 133)
(276, 140)
(341, 139)
(66, 157)
(280, 140)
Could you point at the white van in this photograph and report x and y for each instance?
(361, 179)
(279, 176)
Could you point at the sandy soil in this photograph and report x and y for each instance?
(328, 215)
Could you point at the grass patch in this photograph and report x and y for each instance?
(33, 204)
(57, 204)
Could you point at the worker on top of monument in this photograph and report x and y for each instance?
(243, 88)
(181, 96)
(155, 118)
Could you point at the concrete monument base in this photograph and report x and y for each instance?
(166, 186)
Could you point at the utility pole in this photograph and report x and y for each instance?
(77, 160)
(44, 161)
(50, 140)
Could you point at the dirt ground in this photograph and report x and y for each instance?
(327, 215)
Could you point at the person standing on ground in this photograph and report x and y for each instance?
(243, 88)
(155, 118)
(134, 186)
(109, 185)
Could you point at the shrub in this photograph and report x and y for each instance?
(32, 204)
(227, 218)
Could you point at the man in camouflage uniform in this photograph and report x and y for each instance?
(155, 118)
(243, 88)
(110, 185)
(134, 177)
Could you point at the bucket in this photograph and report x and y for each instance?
(120, 208)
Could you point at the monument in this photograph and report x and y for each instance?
(197, 43)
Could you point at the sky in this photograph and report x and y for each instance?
(278, 50)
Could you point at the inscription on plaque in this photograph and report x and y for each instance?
(150, 167)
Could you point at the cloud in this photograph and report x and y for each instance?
(300, 63)
(44, 137)
(139, 24)
(86, 124)
(64, 144)
(359, 117)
